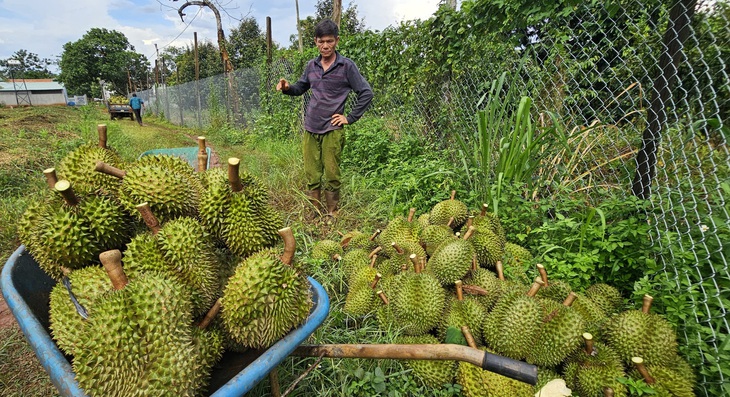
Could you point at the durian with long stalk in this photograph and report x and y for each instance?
(452, 260)
(559, 335)
(674, 380)
(443, 211)
(462, 311)
(418, 301)
(595, 367)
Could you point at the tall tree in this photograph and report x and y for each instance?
(350, 23)
(183, 62)
(246, 43)
(101, 54)
(31, 66)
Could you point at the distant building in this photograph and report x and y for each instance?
(40, 92)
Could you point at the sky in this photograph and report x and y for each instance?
(44, 26)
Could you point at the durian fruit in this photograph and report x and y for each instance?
(451, 261)
(346, 237)
(418, 302)
(433, 235)
(325, 250)
(442, 212)
(78, 167)
(404, 250)
(362, 298)
(487, 281)
(556, 290)
(476, 382)
(70, 233)
(265, 298)
(462, 311)
(363, 241)
(235, 209)
(491, 221)
(516, 256)
(384, 313)
(182, 251)
(595, 367)
(559, 335)
(513, 325)
(138, 339)
(209, 344)
(593, 316)
(67, 324)
(399, 230)
(639, 333)
(674, 380)
(352, 260)
(434, 373)
(606, 297)
(167, 183)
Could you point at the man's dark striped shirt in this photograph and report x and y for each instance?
(329, 92)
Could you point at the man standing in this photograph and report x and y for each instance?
(331, 77)
(137, 104)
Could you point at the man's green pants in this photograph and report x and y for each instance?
(322, 153)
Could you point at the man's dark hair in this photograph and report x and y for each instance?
(134, 94)
(326, 27)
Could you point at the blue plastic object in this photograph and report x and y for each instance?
(26, 289)
(189, 154)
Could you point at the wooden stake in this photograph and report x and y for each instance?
(233, 178)
(290, 245)
(202, 155)
(64, 187)
(109, 170)
(112, 261)
(51, 177)
(210, 315)
(101, 130)
(148, 217)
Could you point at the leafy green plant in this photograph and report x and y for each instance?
(637, 387)
(367, 383)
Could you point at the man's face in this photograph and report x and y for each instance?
(326, 45)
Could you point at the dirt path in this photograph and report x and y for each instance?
(7, 319)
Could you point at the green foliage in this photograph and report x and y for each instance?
(100, 54)
(246, 43)
(31, 66)
(637, 387)
(400, 384)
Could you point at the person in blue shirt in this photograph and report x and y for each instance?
(137, 104)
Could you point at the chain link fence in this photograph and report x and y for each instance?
(653, 78)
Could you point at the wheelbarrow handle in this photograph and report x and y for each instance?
(508, 367)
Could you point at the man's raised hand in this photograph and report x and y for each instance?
(283, 85)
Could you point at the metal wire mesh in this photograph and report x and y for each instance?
(609, 71)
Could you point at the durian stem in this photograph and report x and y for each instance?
(469, 337)
(453, 195)
(570, 299)
(337, 257)
(109, 170)
(414, 261)
(51, 177)
(534, 288)
(646, 306)
(508, 367)
(64, 187)
(383, 298)
(608, 392)
(474, 290)
(484, 209)
(469, 222)
(112, 261)
(101, 130)
(148, 217)
(588, 339)
(373, 259)
(234, 180)
(397, 248)
(543, 273)
(374, 284)
(639, 363)
(210, 315)
(459, 290)
(411, 214)
(469, 232)
(375, 251)
(340, 233)
(375, 234)
(290, 245)
(500, 270)
(422, 263)
(450, 222)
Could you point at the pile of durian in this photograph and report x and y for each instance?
(449, 276)
(148, 252)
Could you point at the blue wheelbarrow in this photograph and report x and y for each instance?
(26, 289)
